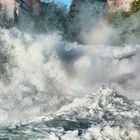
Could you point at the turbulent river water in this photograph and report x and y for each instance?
(52, 89)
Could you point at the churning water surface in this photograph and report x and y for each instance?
(47, 85)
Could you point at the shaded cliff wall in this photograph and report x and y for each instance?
(74, 8)
(83, 14)
(76, 5)
(33, 6)
(51, 17)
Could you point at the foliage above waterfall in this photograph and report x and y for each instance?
(135, 6)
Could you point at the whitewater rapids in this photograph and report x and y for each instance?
(104, 115)
(45, 86)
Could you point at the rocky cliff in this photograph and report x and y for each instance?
(11, 9)
(8, 9)
(33, 6)
(76, 5)
(73, 7)
(119, 5)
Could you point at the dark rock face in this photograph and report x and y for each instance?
(81, 15)
(75, 6)
(33, 6)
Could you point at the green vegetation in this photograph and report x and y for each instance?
(135, 7)
(117, 18)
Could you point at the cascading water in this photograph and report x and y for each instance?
(47, 83)
(42, 73)
(31, 74)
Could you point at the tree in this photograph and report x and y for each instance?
(135, 6)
